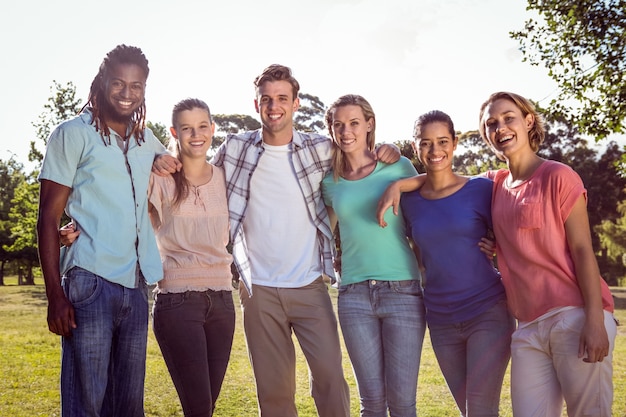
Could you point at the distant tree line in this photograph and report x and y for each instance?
(600, 173)
(581, 44)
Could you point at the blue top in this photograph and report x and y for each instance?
(368, 250)
(108, 201)
(461, 282)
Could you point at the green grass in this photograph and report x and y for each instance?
(30, 363)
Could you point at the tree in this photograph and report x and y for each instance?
(11, 176)
(160, 131)
(583, 45)
(310, 117)
(232, 124)
(474, 156)
(23, 216)
(61, 106)
(612, 235)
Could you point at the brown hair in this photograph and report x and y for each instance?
(276, 72)
(180, 181)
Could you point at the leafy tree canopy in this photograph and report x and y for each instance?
(583, 45)
(61, 105)
(160, 131)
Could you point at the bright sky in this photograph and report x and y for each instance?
(405, 57)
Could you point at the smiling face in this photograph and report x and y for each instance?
(506, 128)
(125, 86)
(194, 132)
(435, 146)
(350, 129)
(276, 105)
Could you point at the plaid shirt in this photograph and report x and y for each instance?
(239, 156)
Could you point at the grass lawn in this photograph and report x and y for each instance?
(30, 364)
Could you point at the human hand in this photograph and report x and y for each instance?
(594, 340)
(487, 245)
(61, 319)
(165, 164)
(68, 234)
(387, 153)
(390, 198)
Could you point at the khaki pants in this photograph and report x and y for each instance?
(546, 370)
(269, 317)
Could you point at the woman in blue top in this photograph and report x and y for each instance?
(380, 304)
(466, 311)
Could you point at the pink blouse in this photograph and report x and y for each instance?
(192, 237)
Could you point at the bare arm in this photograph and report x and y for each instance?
(165, 164)
(52, 200)
(391, 196)
(388, 153)
(594, 340)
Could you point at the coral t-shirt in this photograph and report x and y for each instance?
(533, 255)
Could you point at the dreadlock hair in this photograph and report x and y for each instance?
(121, 54)
(338, 161)
(180, 181)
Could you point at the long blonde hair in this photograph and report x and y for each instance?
(338, 162)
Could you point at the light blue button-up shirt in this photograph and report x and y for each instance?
(108, 201)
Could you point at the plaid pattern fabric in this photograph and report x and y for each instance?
(311, 157)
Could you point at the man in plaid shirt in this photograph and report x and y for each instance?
(282, 246)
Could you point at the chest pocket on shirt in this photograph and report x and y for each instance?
(530, 214)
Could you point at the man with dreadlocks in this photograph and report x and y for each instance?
(96, 168)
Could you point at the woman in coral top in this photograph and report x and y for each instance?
(562, 348)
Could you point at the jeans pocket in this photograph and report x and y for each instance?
(227, 298)
(81, 287)
(408, 287)
(169, 301)
(345, 289)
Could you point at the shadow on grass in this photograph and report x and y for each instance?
(33, 295)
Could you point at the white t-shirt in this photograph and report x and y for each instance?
(281, 238)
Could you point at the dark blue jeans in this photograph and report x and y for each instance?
(383, 327)
(195, 332)
(103, 363)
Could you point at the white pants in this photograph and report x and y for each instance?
(545, 369)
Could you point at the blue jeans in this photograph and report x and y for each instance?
(383, 327)
(473, 356)
(103, 364)
(195, 332)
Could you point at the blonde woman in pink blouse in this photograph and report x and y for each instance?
(194, 315)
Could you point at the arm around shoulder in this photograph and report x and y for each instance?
(391, 196)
